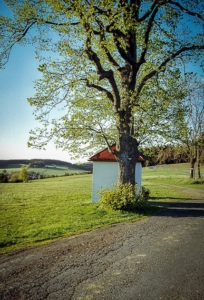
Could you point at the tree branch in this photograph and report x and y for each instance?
(107, 52)
(147, 34)
(164, 63)
(148, 13)
(61, 24)
(16, 37)
(191, 13)
(92, 56)
(103, 74)
(103, 135)
(100, 89)
(122, 52)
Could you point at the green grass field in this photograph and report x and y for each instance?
(43, 210)
(175, 174)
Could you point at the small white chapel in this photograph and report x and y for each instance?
(105, 171)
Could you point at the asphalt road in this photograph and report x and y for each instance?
(161, 257)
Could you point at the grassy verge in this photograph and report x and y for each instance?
(43, 210)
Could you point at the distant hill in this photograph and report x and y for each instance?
(4, 164)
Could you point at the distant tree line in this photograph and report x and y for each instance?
(6, 162)
(158, 155)
(171, 154)
(39, 163)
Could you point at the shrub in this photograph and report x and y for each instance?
(15, 178)
(23, 175)
(3, 177)
(124, 197)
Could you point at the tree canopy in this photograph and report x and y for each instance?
(110, 70)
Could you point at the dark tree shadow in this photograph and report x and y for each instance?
(195, 208)
(173, 198)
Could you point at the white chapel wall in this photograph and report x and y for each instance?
(105, 174)
(138, 174)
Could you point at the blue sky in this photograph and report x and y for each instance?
(16, 119)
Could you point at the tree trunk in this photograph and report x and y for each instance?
(192, 167)
(198, 162)
(127, 154)
(193, 161)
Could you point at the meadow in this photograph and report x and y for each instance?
(172, 174)
(48, 170)
(43, 210)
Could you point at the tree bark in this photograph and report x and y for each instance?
(193, 159)
(192, 167)
(127, 154)
(198, 162)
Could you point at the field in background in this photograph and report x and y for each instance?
(165, 182)
(48, 170)
(175, 174)
(43, 210)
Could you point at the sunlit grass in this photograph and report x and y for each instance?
(175, 174)
(43, 210)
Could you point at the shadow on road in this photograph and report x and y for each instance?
(195, 208)
(173, 198)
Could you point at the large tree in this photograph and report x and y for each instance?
(112, 69)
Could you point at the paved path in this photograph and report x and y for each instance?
(161, 257)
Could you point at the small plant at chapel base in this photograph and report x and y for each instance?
(124, 197)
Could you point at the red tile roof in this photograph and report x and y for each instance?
(105, 155)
